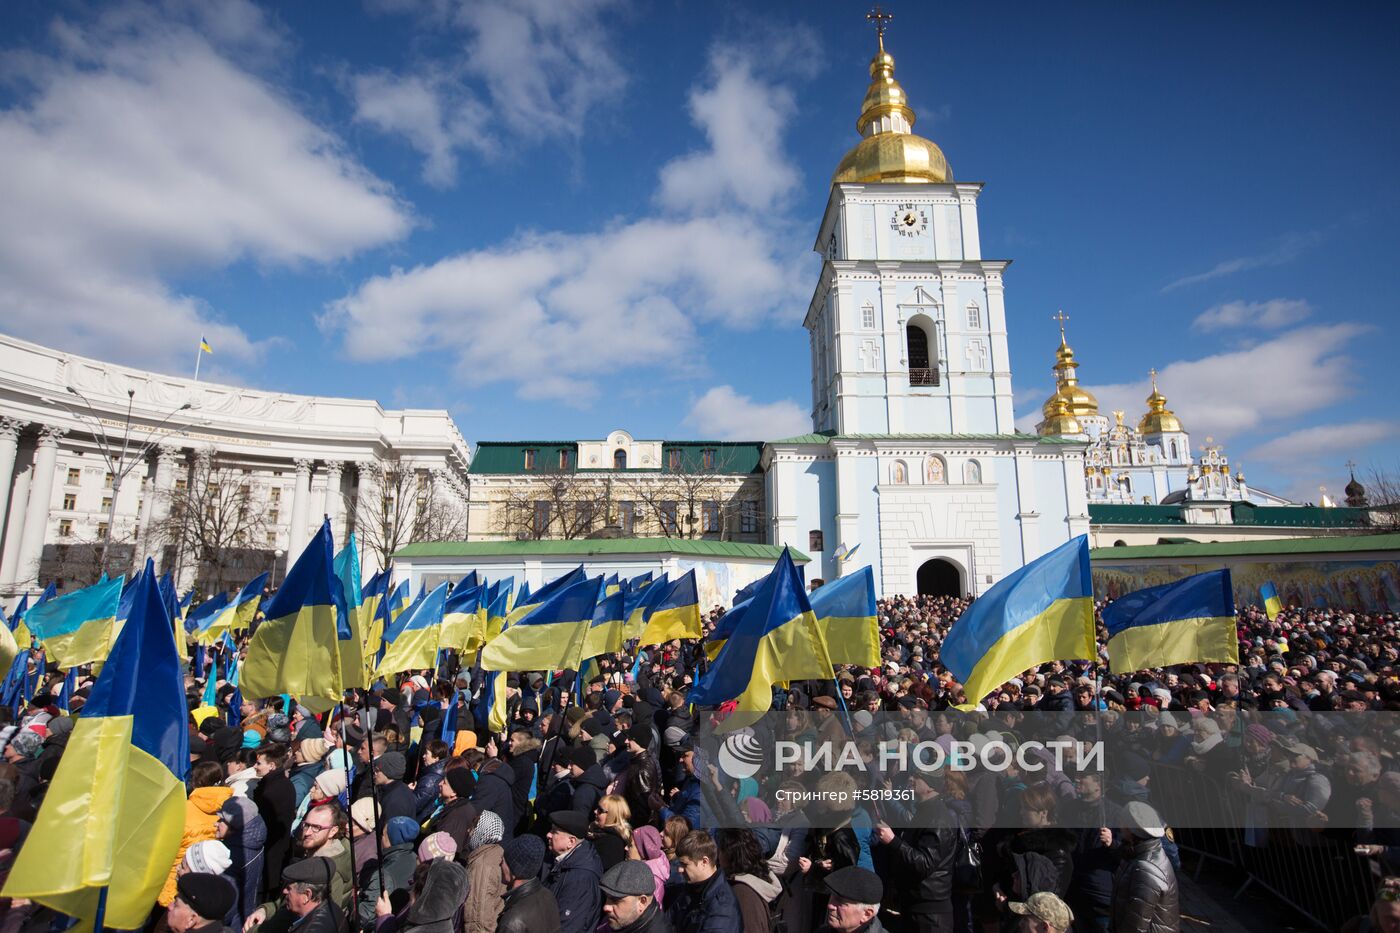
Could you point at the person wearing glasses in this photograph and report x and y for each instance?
(320, 836)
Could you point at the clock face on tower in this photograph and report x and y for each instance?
(909, 220)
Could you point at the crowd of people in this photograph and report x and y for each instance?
(602, 806)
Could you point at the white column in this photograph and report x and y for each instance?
(36, 516)
(157, 506)
(364, 497)
(14, 530)
(331, 508)
(9, 446)
(301, 504)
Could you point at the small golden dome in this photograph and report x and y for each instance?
(890, 151)
(1058, 420)
(1159, 418)
(1080, 401)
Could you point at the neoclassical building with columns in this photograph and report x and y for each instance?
(284, 461)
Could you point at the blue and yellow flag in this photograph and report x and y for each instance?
(612, 585)
(79, 628)
(9, 649)
(21, 631)
(776, 642)
(115, 813)
(847, 618)
(605, 631)
(1182, 622)
(416, 645)
(1042, 612)
(246, 603)
(350, 638)
(636, 603)
(549, 637)
(295, 650)
(399, 598)
(1272, 604)
(396, 625)
(497, 611)
(528, 601)
(725, 627)
(204, 617)
(463, 620)
(204, 346)
(675, 614)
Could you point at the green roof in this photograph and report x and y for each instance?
(821, 437)
(732, 458)
(1341, 544)
(587, 547)
(1242, 513)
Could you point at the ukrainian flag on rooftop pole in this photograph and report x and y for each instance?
(1042, 612)
(1185, 621)
(777, 640)
(675, 614)
(114, 815)
(296, 651)
(79, 628)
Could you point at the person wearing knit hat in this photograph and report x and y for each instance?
(435, 846)
(201, 901)
(395, 797)
(210, 856)
(362, 814)
(307, 757)
(329, 785)
(528, 904)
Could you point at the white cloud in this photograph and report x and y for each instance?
(1268, 315)
(142, 153)
(724, 414)
(555, 314)
(425, 110)
(1319, 445)
(745, 162)
(531, 70)
(1263, 386)
(1289, 248)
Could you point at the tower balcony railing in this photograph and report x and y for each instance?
(923, 377)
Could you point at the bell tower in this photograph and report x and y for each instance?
(907, 325)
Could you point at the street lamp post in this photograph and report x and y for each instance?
(118, 463)
(276, 559)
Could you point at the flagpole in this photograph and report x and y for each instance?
(373, 792)
(198, 355)
(99, 918)
(350, 756)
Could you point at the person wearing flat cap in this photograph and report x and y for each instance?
(201, 901)
(395, 797)
(855, 901)
(1043, 912)
(573, 874)
(306, 892)
(629, 899)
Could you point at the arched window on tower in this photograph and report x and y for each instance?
(899, 473)
(972, 473)
(620, 459)
(923, 367)
(1173, 451)
(935, 471)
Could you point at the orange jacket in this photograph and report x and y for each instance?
(201, 823)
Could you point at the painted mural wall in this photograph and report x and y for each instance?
(1359, 586)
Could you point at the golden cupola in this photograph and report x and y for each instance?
(890, 151)
(1159, 418)
(1058, 420)
(1078, 401)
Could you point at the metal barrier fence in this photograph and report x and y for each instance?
(1318, 876)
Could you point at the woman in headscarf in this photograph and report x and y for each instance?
(244, 833)
(647, 847)
(486, 890)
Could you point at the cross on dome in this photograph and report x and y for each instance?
(881, 20)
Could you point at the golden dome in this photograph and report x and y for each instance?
(890, 150)
(1058, 420)
(1079, 400)
(1159, 418)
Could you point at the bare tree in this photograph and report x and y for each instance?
(214, 519)
(409, 503)
(78, 563)
(1383, 496)
(556, 504)
(693, 498)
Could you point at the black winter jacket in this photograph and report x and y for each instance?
(574, 881)
(1145, 896)
(530, 908)
(921, 861)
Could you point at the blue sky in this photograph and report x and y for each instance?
(555, 219)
